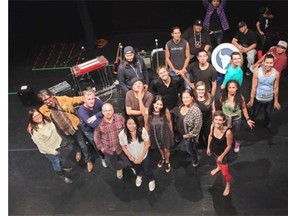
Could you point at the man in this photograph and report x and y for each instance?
(168, 87)
(107, 140)
(265, 90)
(132, 66)
(138, 100)
(61, 110)
(280, 57)
(177, 54)
(197, 37)
(246, 40)
(90, 113)
(202, 70)
(234, 70)
(215, 21)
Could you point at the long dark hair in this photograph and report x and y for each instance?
(32, 124)
(139, 129)
(151, 108)
(237, 97)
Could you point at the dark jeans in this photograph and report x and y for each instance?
(79, 144)
(90, 137)
(268, 105)
(117, 162)
(144, 169)
(216, 39)
(191, 149)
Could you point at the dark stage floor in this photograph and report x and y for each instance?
(259, 170)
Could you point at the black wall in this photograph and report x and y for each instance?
(32, 22)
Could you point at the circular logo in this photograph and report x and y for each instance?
(221, 56)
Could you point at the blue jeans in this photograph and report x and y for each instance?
(172, 74)
(268, 105)
(191, 149)
(144, 169)
(79, 144)
(90, 137)
(55, 160)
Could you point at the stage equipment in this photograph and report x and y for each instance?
(61, 88)
(103, 75)
(89, 66)
(27, 96)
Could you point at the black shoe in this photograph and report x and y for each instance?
(268, 126)
(67, 169)
(248, 72)
(66, 179)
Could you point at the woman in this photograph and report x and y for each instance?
(44, 134)
(135, 143)
(189, 123)
(233, 105)
(219, 145)
(159, 125)
(206, 104)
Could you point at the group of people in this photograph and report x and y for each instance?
(178, 107)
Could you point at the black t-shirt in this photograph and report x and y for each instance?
(247, 39)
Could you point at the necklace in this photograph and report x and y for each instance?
(197, 42)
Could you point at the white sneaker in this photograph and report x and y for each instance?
(104, 163)
(237, 147)
(119, 174)
(138, 181)
(152, 185)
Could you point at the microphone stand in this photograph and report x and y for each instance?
(157, 57)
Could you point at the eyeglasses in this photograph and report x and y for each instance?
(44, 100)
(198, 89)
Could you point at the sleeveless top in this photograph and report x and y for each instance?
(177, 53)
(231, 111)
(218, 146)
(161, 135)
(265, 87)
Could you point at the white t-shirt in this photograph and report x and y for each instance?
(135, 147)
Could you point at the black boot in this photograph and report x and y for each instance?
(67, 169)
(64, 178)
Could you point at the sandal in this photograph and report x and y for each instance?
(161, 162)
(168, 167)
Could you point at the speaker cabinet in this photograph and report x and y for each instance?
(27, 96)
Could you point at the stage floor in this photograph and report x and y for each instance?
(259, 170)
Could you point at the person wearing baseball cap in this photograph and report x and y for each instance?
(198, 39)
(138, 100)
(132, 66)
(280, 57)
(245, 40)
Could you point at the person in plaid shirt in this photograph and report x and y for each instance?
(107, 140)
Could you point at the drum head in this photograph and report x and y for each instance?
(221, 56)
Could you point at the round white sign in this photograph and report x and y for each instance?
(221, 56)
